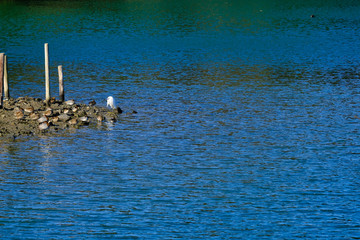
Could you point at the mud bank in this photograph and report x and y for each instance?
(31, 116)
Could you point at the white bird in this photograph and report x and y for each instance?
(111, 102)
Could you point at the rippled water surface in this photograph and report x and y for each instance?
(247, 126)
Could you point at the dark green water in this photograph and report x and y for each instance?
(247, 124)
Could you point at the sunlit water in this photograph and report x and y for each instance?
(247, 125)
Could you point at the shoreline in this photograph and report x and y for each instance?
(26, 116)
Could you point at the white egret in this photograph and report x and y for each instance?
(111, 102)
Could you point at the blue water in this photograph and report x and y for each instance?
(247, 126)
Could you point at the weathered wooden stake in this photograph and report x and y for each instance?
(1, 78)
(6, 82)
(61, 84)
(47, 81)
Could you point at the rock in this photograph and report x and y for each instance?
(19, 114)
(54, 119)
(55, 105)
(43, 119)
(17, 109)
(29, 109)
(44, 125)
(37, 105)
(83, 119)
(72, 121)
(110, 117)
(82, 113)
(63, 117)
(100, 118)
(48, 112)
(34, 116)
(118, 110)
(70, 102)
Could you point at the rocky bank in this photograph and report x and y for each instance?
(32, 116)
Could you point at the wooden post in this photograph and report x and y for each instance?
(47, 81)
(1, 78)
(61, 84)
(6, 82)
